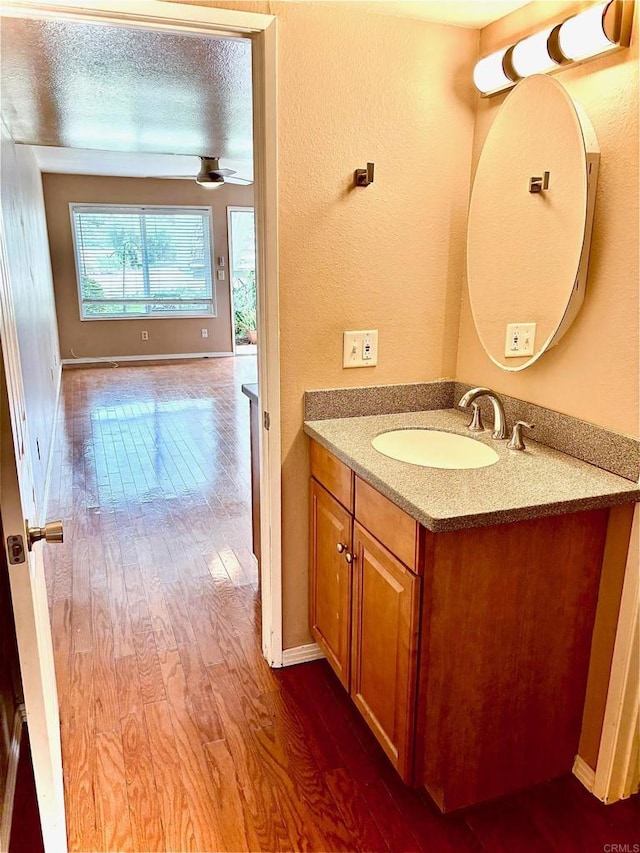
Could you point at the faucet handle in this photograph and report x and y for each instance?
(475, 424)
(516, 442)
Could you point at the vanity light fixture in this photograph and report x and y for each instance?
(599, 29)
(589, 33)
(531, 55)
(490, 75)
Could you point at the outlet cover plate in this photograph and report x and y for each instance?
(520, 340)
(360, 349)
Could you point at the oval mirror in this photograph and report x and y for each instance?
(530, 218)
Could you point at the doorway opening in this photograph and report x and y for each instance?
(152, 415)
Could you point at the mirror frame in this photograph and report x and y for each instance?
(578, 290)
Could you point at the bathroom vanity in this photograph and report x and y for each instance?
(457, 607)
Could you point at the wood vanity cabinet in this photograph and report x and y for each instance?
(386, 600)
(365, 602)
(466, 652)
(331, 580)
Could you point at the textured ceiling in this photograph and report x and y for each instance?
(110, 88)
(461, 13)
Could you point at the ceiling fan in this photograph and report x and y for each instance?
(211, 175)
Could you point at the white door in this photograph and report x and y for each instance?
(27, 583)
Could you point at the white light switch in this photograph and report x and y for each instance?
(521, 338)
(360, 349)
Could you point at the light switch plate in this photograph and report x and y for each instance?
(360, 349)
(520, 340)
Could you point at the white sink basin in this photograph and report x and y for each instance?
(434, 449)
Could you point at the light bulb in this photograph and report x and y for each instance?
(583, 35)
(531, 55)
(209, 185)
(489, 76)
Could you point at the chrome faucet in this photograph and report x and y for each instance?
(499, 419)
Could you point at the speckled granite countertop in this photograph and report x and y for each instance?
(535, 482)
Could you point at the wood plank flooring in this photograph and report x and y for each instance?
(176, 735)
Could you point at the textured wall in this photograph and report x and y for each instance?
(354, 87)
(30, 276)
(117, 338)
(593, 372)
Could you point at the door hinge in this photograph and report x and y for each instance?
(266, 420)
(15, 550)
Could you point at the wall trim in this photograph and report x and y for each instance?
(159, 357)
(47, 477)
(584, 773)
(12, 776)
(302, 654)
(617, 772)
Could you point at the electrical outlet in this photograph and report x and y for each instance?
(360, 349)
(220, 275)
(204, 333)
(144, 336)
(521, 338)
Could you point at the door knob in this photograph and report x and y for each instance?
(51, 532)
(341, 548)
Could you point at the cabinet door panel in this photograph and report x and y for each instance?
(386, 602)
(331, 580)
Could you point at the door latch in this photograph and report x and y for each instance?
(15, 549)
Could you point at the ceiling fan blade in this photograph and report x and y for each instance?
(222, 172)
(234, 179)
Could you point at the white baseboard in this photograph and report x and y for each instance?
(116, 359)
(301, 654)
(586, 774)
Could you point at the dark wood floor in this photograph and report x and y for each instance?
(176, 735)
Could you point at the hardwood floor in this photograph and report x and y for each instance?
(176, 735)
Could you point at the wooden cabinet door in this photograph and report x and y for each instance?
(386, 598)
(331, 579)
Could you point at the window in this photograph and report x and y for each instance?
(143, 261)
(242, 255)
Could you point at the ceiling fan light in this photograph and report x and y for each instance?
(209, 176)
(208, 179)
(208, 182)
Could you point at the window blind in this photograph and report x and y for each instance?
(142, 261)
